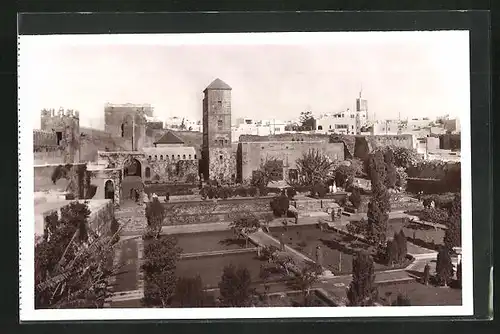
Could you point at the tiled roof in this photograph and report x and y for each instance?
(218, 84)
(169, 138)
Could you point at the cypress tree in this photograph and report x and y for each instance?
(444, 267)
(453, 234)
(362, 290)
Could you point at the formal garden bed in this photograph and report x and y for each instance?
(420, 294)
(338, 249)
(291, 299)
(419, 234)
(210, 268)
(210, 241)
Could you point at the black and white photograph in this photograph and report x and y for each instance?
(172, 175)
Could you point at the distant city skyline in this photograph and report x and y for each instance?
(411, 74)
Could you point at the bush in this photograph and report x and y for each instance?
(319, 190)
(355, 198)
(252, 191)
(279, 205)
(291, 192)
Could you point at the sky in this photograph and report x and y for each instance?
(272, 75)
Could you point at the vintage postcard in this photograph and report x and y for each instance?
(274, 175)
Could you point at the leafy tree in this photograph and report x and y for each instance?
(155, 215)
(234, 287)
(355, 198)
(72, 266)
(453, 234)
(362, 290)
(189, 293)
(307, 121)
(402, 246)
(269, 252)
(269, 170)
(404, 157)
(402, 300)
(160, 260)
(344, 175)
(306, 277)
(444, 267)
(391, 172)
(314, 167)
(244, 223)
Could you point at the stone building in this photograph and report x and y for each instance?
(127, 121)
(250, 155)
(218, 157)
(59, 136)
(170, 161)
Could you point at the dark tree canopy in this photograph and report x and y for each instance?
(362, 290)
(189, 293)
(155, 215)
(402, 300)
(355, 198)
(234, 287)
(279, 205)
(160, 260)
(444, 267)
(307, 121)
(391, 173)
(453, 234)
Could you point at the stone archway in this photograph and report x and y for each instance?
(132, 167)
(109, 190)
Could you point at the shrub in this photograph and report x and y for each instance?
(319, 190)
(235, 290)
(291, 192)
(355, 198)
(211, 193)
(444, 267)
(279, 205)
(252, 191)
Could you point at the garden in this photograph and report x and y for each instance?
(419, 294)
(209, 242)
(337, 249)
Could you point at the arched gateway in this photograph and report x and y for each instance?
(131, 164)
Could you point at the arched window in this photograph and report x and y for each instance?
(219, 124)
(173, 157)
(161, 157)
(195, 156)
(148, 172)
(320, 127)
(149, 158)
(156, 157)
(178, 157)
(190, 157)
(183, 157)
(166, 157)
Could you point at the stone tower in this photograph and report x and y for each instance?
(128, 122)
(218, 160)
(66, 125)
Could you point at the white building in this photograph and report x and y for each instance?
(343, 122)
(249, 126)
(183, 123)
(418, 123)
(387, 127)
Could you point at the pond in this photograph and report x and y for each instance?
(210, 268)
(209, 241)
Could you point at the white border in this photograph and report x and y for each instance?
(26, 208)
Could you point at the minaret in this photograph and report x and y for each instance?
(217, 149)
